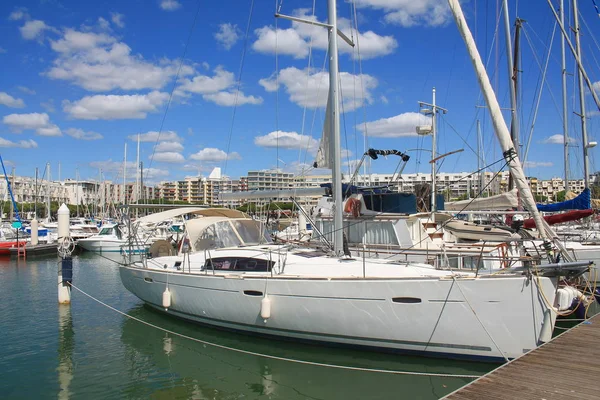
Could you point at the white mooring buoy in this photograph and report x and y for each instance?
(265, 308)
(166, 299)
(63, 221)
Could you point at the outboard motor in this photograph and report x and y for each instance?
(517, 223)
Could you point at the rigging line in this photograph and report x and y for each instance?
(317, 93)
(344, 122)
(588, 28)
(185, 49)
(541, 69)
(272, 357)
(461, 138)
(362, 84)
(356, 151)
(308, 68)
(238, 85)
(537, 105)
(277, 94)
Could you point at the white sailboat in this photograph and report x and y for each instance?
(230, 275)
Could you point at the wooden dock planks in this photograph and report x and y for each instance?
(567, 367)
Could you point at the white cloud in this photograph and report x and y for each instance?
(536, 164)
(109, 107)
(312, 92)
(219, 89)
(230, 99)
(408, 13)
(400, 125)
(153, 173)
(80, 134)
(23, 144)
(384, 99)
(286, 140)
(117, 19)
(112, 166)
(210, 154)
(295, 41)
(169, 5)
(168, 146)
(203, 84)
(168, 157)
(26, 90)
(153, 136)
(9, 101)
(33, 29)
(99, 62)
(285, 41)
(104, 24)
(557, 139)
(18, 14)
(227, 35)
(33, 121)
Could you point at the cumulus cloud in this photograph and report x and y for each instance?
(211, 154)
(99, 62)
(286, 140)
(400, 125)
(112, 166)
(109, 107)
(80, 134)
(151, 174)
(314, 90)
(409, 13)
(9, 101)
(117, 19)
(219, 89)
(557, 139)
(18, 14)
(23, 144)
(33, 29)
(168, 147)
(26, 90)
(39, 122)
(168, 157)
(153, 136)
(169, 5)
(536, 164)
(295, 41)
(227, 35)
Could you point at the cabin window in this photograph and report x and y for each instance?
(238, 264)
(106, 231)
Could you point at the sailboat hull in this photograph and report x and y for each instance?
(484, 318)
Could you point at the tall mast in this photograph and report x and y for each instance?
(564, 98)
(77, 189)
(480, 158)
(48, 208)
(36, 193)
(124, 174)
(586, 172)
(336, 182)
(512, 73)
(500, 128)
(433, 154)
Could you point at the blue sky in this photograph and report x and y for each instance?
(81, 79)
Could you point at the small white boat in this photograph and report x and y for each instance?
(485, 233)
(109, 239)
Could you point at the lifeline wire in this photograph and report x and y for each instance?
(252, 353)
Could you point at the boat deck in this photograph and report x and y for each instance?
(567, 367)
(40, 249)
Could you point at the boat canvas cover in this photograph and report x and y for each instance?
(164, 215)
(560, 218)
(503, 201)
(581, 202)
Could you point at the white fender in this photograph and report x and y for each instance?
(166, 300)
(265, 308)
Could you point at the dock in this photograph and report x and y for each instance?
(40, 249)
(567, 367)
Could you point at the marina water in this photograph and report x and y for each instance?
(88, 351)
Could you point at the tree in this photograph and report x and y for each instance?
(560, 196)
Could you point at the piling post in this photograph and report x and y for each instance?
(65, 248)
(34, 232)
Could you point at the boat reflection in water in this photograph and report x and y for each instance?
(198, 370)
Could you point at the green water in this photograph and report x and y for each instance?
(87, 351)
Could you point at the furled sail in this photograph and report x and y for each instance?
(323, 158)
(582, 202)
(503, 201)
(560, 218)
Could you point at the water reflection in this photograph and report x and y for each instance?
(66, 344)
(202, 371)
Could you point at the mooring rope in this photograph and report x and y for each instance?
(252, 353)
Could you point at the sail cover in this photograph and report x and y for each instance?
(323, 158)
(503, 201)
(581, 202)
(560, 218)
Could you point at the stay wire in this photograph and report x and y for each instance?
(272, 357)
(238, 85)
(185, 49)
